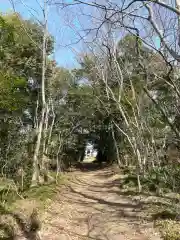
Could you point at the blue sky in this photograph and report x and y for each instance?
(63, 25)
(65, 52)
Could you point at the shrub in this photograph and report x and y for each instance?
(170, 230)
(166, 178)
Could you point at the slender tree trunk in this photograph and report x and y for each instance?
(36, 165)
(45, 129)
(178, 7)
(58, 162)
(36, 114)
(50, 131)
(44, 163)
(117, 150)
(139, 183)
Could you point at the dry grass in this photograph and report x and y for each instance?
(170, 230)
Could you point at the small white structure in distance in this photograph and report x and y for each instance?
(90, 151)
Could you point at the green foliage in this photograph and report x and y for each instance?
(24, 57)
(20, 60)
(6, 36)
(13, 92)
(162, 179)
(166, 177)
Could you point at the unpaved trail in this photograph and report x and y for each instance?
(92, 207)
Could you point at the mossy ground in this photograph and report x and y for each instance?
(9, 195)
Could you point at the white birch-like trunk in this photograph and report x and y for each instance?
(58, 163)
(117, 150)
(178, 8)
(50, 131)
(36, 165)
(43, 163)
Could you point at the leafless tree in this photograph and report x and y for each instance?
(156, 23)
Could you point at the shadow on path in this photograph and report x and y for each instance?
(93, 207)
(90, 166)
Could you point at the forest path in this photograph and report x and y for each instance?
(93, 207)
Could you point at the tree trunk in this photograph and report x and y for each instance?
(139, 183)
(50, 131)
(36, 166)
(178, 7)
(44, 160)
(117, 150)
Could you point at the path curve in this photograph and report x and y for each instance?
(92, 207)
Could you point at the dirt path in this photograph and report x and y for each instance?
(92, 207)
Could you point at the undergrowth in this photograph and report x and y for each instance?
(163, 183)
(170, 230)
(165, 178)
(9, 193)
(167, 222)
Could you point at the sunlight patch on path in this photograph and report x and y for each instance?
(92, 207)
